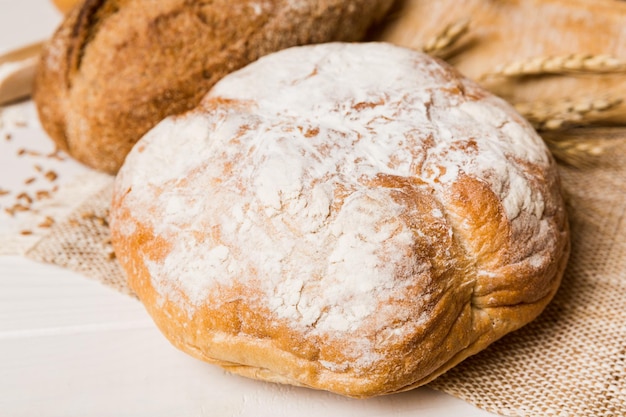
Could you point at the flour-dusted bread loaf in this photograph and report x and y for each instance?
(356, 218)
(115, 68)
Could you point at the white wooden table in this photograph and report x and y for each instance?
(70, 346)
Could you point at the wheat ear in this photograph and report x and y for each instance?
(583, 147)
(575, 153)
(564, 64)
(441, 44)
(555, 116)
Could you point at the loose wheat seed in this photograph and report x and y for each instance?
(48, 222)
(51, 176)
(24, 196)
(40, 195)
(19, 207)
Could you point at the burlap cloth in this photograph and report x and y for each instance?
(571, 361)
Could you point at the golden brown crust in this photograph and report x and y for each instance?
(464, 323)
(432, 209)
(116, 67)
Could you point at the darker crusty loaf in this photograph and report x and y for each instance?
(116, 67)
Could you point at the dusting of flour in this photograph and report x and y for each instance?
(278, 182)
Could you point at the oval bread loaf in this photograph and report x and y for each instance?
(355, 218)
(115, 68)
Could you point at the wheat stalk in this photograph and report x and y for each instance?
(441, 44)
(584, 147)
(575, 153)
(555, 116)
(563, 64)
(551, 118)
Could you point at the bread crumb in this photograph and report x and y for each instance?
(26, 232)
(30, 180)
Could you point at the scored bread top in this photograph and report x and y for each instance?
(351, 217)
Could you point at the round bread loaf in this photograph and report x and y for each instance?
(115, 68)
(356, 218)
